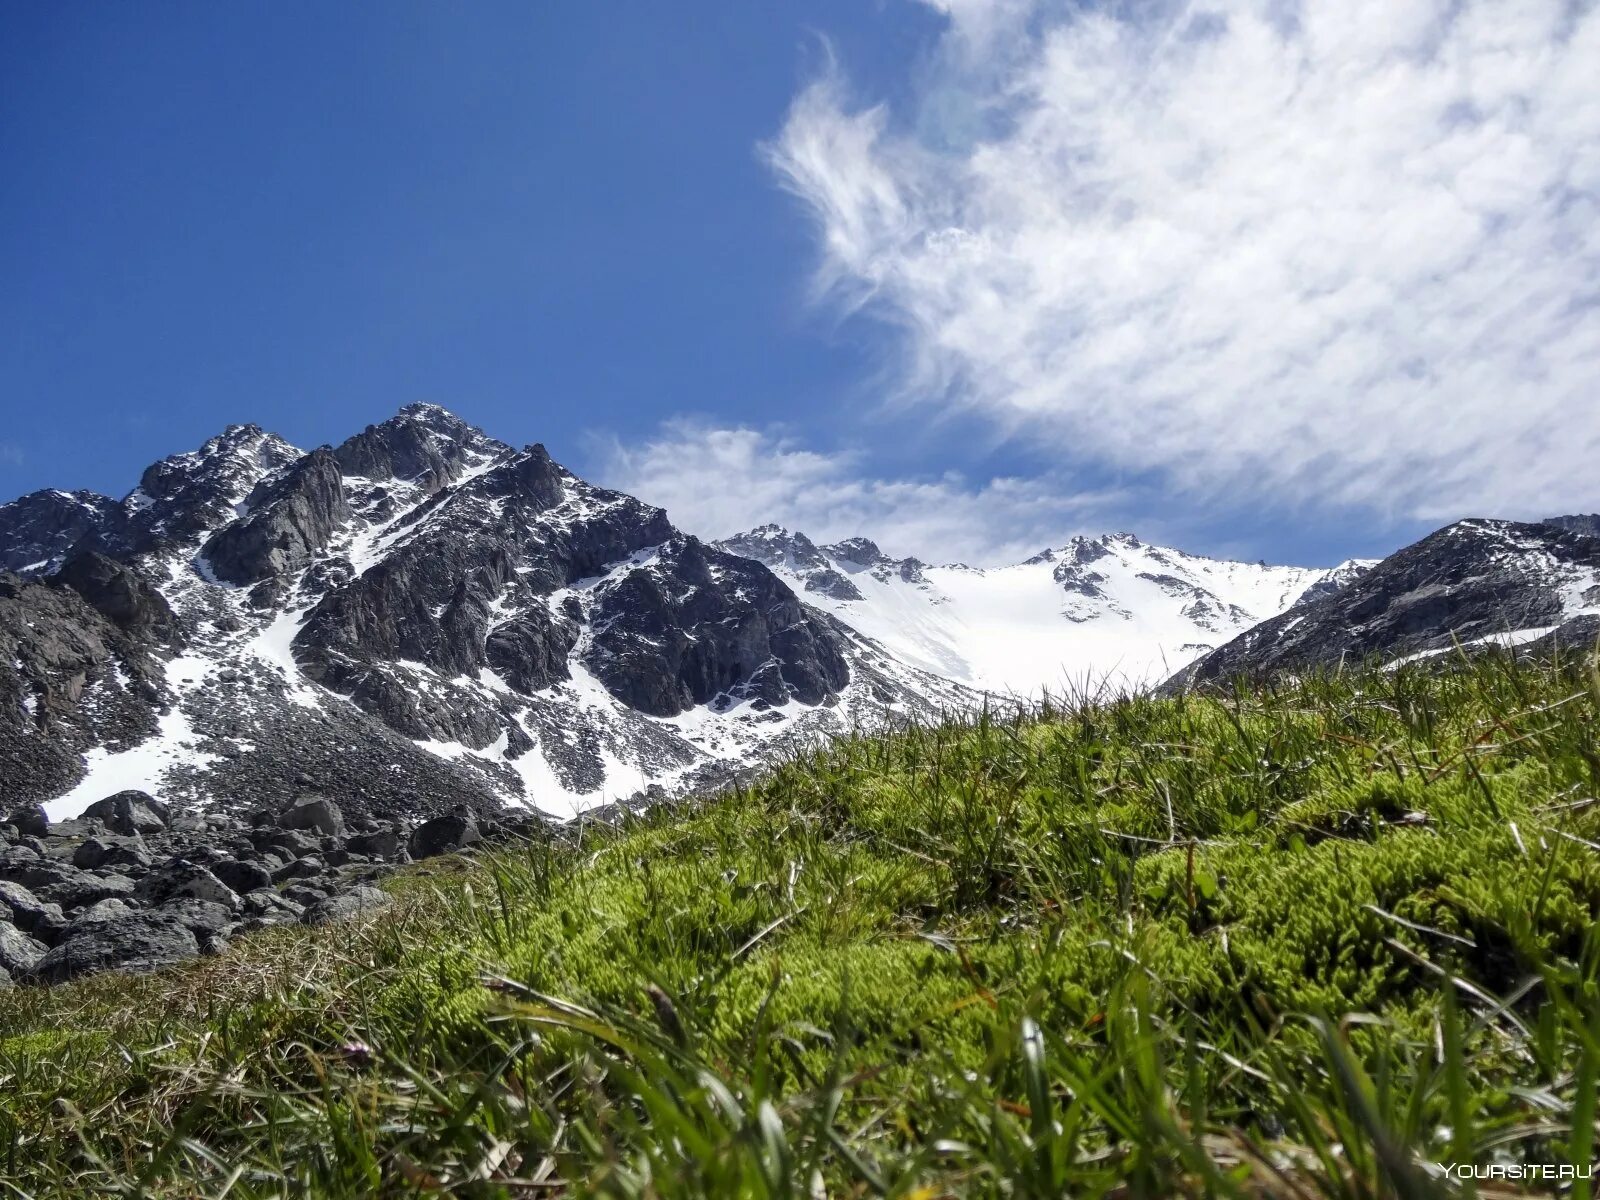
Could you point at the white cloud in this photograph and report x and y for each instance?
(1335, 253)
(718, 481)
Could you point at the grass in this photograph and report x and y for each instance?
(1308, 939)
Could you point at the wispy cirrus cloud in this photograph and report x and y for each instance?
(715, 481)
(1330, 253)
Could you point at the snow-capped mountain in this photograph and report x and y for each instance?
(1476, 582)
(1099, 611)
(419, 616)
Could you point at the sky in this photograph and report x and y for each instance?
(1290, 279)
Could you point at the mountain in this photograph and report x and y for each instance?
(1110, 609)
(419, 617)
(1474, 582)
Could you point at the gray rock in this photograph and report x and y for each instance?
(198, 916)
(74, 889)
(388, 845)
(6, 980)
(445, 834)
(102, 910)
(30, 820)
(1467, 581)
(120, 594)
(357, 902)
(291, 843)
(129, 813)
(300, 868)
(242, 876)
(19, 953)
(305, 894)
(75, 828)
(269, 906)
(111, 850)
(42, 918)
(142, 942)
(180, 880)
(313, 813)
(15, 858)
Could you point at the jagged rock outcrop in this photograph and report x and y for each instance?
(697, 623)
(187, 495)
(121, 595)
(425, 445)
(1474, 582)
(69, 679)
(40, 530)
(289, 520)
(1336, 580)
(1585, 523)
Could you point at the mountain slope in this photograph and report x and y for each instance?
(1473, 582)
(418, 617)
(1098, 610)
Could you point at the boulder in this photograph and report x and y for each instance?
(19, 953)
(72, 888)
(453, 831)
(305, 894)
(313, 812)
(199, 916)
(30, 820)
(141, 942)
(179, 879)
(42, 918)
(290, 843)
(388, 845)
(299, 868)
(357, 902)
(101, 910)
(268, 908)
(111, 850)
(129, 813)
(242, 875)
(5, 979)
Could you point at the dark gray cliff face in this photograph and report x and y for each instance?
(121, 595)
(697, 623)
(288, 520)
(1585, 523)
(71, 677)
(1472, 580)
(39, 530)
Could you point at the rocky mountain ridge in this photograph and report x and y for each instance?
(1473, 583)
(419, 617)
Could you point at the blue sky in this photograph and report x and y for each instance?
(899, 268)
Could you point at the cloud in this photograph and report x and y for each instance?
(10, 454)
(1329, 255)
(719, 481)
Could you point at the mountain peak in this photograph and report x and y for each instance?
(422, 444)
(859, 550)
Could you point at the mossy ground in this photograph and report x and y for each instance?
(1304, 940)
